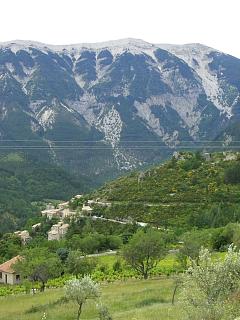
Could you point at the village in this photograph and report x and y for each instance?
(63, 212)
(57, 232)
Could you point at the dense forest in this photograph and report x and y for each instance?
(24, 182)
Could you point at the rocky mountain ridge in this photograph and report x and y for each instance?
(117, 105)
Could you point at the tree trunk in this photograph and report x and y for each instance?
(174, 293)
(79, 311)
(42, 288)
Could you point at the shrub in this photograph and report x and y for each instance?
(232, 174)
(103, 313)
(209, 287)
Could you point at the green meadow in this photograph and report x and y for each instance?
(131, 299)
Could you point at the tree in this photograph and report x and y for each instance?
(225, 236)
(144, 251)
(10, 245)
(113, 242)
(80, 265)
(192, 243)
(63, 254)
(211, 288)
(177, 284)
(38, 265)
(91, 243)
(80, 291)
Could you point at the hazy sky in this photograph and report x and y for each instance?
(212, 22)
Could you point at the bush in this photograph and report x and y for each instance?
(117, 266)
(223, 237)
(232, 174)
(209, 287)
(103, 313)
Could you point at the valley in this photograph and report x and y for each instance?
(119, 181)
(190, 201)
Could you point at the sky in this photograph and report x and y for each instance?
(211, 22)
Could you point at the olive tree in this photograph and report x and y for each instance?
(80, 291)
(211, 288)
(144, 251)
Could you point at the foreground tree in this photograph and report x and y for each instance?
(80, 291)
(211, 288)
(38, 265)
(144, 251)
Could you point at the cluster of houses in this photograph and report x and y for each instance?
(24, 235)
(62, 211)
(57, 232)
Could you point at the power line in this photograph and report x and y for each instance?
(121, 141)
(116, 147)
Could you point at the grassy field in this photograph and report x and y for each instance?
(168, 262)
(132, 300)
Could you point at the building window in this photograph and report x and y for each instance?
(0, 275)
(17, 277)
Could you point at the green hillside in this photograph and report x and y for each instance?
(189, 190)
(24, 181)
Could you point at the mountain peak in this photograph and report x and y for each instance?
(126, 42)
(113, 93)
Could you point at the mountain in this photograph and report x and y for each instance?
(26, 181)
(103, 109)
(190, 190)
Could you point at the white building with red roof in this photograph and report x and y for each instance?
(7, 273)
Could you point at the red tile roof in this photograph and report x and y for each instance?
(7, 266)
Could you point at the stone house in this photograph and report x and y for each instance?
(78, 196)
(23, 235)
(58, 231)
(207, 156)
(61, 212)
(56, 213)
(7, 274)
(36, 226)
(66, 213)
(63, 205)
(87, 209)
